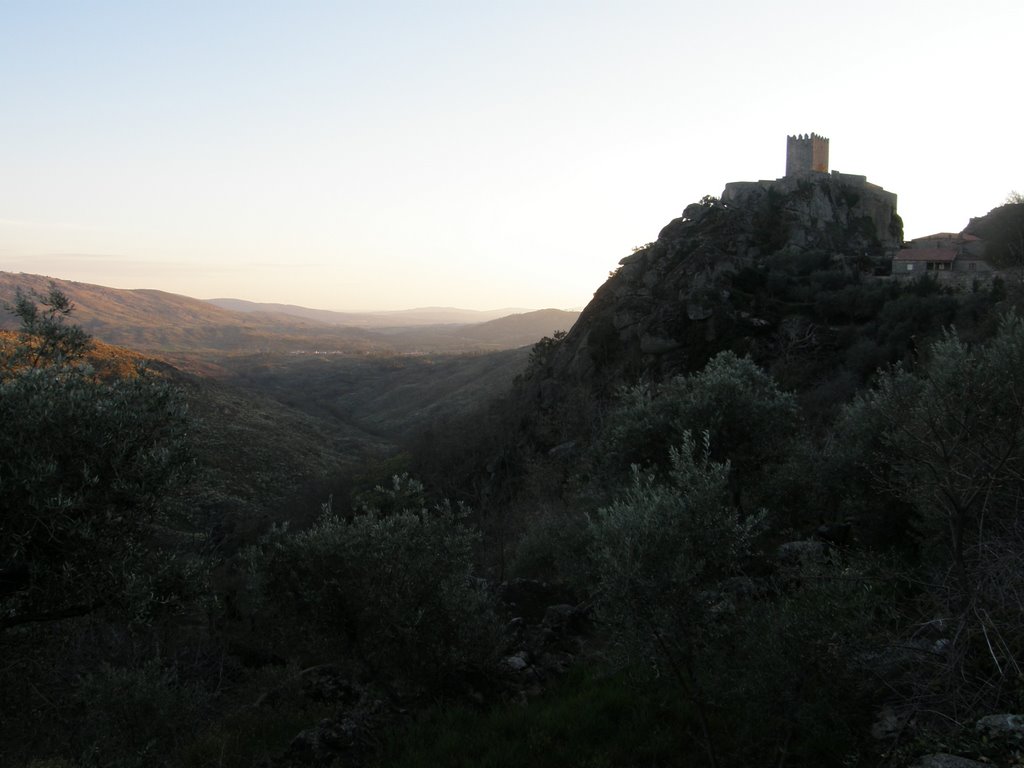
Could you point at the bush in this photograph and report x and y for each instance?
(946, 441)
(660, 551)
(87, 471)
(661, 556)
(750, 422)
(395, 591)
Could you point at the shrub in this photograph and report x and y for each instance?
(750, 422)
(87, 470)
(396, 591)
(661, 555)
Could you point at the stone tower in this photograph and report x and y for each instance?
(806, 153)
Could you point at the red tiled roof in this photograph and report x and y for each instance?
(925, 254)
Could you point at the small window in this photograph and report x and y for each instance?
(910, 267)
(970, 265)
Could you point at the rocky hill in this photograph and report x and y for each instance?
(795, 274)
(674, 302)
(1003, 231)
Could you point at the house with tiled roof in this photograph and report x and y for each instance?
(943, 253)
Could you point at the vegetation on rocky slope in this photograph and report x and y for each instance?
(759, 506)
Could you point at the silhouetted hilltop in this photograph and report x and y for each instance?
(794, 273)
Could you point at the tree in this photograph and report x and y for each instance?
(87, 467)
(395, 591)
(749, 420)
(955, 436)
(46, 338)
(662, 553)
(952, 432)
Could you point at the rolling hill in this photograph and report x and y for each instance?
(196, 334)
(397, 318)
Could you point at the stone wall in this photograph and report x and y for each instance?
(816, 203)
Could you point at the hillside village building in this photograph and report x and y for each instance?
(941, 253)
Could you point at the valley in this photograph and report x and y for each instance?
(288, 402)
(758, 498)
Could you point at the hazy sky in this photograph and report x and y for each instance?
(386, 155)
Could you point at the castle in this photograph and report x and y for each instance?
(806, 153)
(826, 198)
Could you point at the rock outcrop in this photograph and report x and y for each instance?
(1002, 230)
(675, 302)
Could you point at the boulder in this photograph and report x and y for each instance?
(888, 724)
(529, 599)
(516, 662)
(694, 211)
(1001, 726)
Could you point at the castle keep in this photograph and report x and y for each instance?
(826, 199)
(806, 153)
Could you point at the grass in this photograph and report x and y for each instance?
(589, 720)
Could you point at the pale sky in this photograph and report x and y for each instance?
(396, 154)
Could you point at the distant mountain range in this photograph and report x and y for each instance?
(397, 318)
(178, 327)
